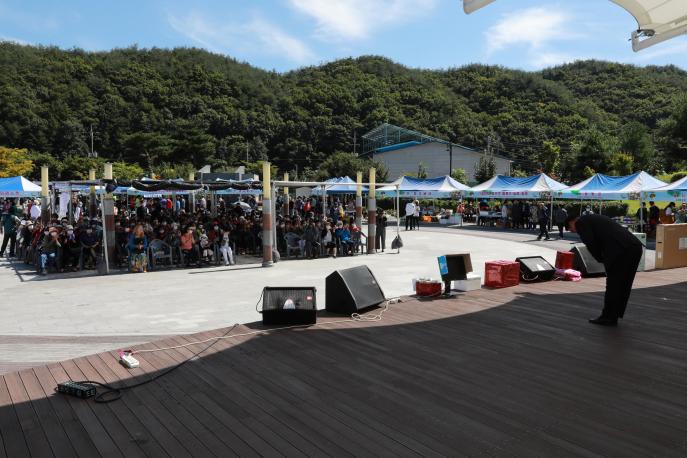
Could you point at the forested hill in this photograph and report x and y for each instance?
(156, 107)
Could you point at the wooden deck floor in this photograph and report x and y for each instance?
(516, 372)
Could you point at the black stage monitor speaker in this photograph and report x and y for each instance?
(454, 267)
(352, 290)
(535, 268)
(289, 305)
(585, 262)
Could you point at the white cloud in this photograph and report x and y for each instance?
(550, 59)
(533, 27)
(255, 36)
(18, 41)
(339, 20)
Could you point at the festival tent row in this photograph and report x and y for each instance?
(539, 186)
(18, 187)
(338, 185)
(672, 191)
(604, 187)
(438, 187)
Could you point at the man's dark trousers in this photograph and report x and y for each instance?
(12, 239)
(620, 273)
(543, 232)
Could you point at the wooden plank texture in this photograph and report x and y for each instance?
(513, 372)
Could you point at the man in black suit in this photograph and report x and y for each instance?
(620, 253)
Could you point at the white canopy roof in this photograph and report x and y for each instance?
(657, 20)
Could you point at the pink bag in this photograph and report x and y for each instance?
(568, 274)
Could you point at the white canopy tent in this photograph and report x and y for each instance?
(657, 20)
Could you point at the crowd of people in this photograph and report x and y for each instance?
(182, 234)
(195, 235)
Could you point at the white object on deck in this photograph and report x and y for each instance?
(472, 283)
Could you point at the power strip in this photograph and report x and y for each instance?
(80, 390)
(127, 360)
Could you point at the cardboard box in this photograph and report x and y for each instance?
(671, 246)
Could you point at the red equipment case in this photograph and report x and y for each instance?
(501, 274)
(428, 288)
(564, 260)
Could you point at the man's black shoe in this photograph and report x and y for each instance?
(604, 321)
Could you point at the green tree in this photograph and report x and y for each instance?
(594, 150)
(147, 148)
(549, 158)
(635, 140)
(343, 164)
(125, 171)
(621, 164)
(421, 171)
(459, 175)
(14, 162)
(518, 173)
(485, 168)
(76, 167)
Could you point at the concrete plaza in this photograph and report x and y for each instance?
(62, 316)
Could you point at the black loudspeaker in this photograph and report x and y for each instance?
(289, 305)
(585, 262)
(535, 268)
(352, 290)
(454, 267)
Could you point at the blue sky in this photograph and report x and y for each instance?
(287, 34)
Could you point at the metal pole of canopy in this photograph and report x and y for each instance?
(104, 226)
(641, 212)
(398, 215)
(324, 201)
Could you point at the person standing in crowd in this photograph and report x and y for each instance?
(225, 249)
(90, 242)
(10, 223)
(543, 220)
(534, 215)
(49, 250)
(504, 214)
(560, 217)
(654, 215)
(516, 213)
(681, 214)
(670, 213)
(642, 214)
(35, 211)
(189, 248)
(380, 234)
(410, 214)
(588, 210)
(417, 214)
(619, 251)
(138, 248)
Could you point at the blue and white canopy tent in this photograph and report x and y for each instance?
(18, 187)
(604, 187)
(674, 191)
(539, 186)
(338, 185)
(428, 188)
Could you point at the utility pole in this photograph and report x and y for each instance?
(450, 158)
(355, 143)
(92, 151)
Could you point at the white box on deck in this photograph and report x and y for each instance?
(473, 282)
